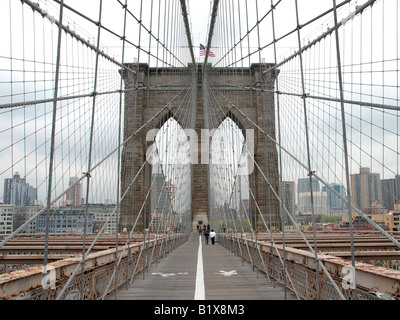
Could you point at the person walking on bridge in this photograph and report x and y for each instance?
(206, 235)
(212, 236)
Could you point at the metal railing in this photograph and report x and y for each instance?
(98, 279)
(301, 269)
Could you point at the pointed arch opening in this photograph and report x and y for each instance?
(171, 177)
(229, 159)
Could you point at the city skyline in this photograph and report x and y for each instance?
(18, 192)
(386, 191)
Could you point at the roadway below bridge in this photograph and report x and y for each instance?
(196, 271)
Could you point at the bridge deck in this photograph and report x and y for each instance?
(177, 276)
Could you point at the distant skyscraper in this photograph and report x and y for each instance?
(320, 203)
(287, 195)
(365, 188)
(158, 194)
(388, 193)
(334, 201)
(74, 196)
(303, 185)
(18, 192)
(397, 188)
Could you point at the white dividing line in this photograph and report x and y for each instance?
(199, 292)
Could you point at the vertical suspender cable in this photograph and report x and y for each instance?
(119, 159)
(88, 173)
(346, 156)
(310, 173)
(280, 149)
(52, 144)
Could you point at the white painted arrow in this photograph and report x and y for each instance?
(166, 275)
(226, 273)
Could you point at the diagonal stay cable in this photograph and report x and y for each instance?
(286, 211)
(273, 243)
(374, 224)
(138, 216)
(23, 226)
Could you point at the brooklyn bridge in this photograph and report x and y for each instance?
(182, 150)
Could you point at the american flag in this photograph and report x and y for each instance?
(203, 51)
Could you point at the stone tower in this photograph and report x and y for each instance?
(149, 104)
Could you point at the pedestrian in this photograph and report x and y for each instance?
(206, 235)
(212, 236)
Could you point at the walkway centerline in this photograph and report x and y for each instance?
(199, 293)
(186, 272)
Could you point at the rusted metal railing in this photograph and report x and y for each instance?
(301, 267)
(99, 268)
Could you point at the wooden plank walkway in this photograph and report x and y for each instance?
(179, 276)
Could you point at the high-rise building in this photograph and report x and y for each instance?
(74, 195)
(287, 195)
(158, 194)
(161, 195)
(397, 189)
(388, 193)
(18, 192)
(303, 185)
(334, 201)
(320, 203)
(365, 188)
